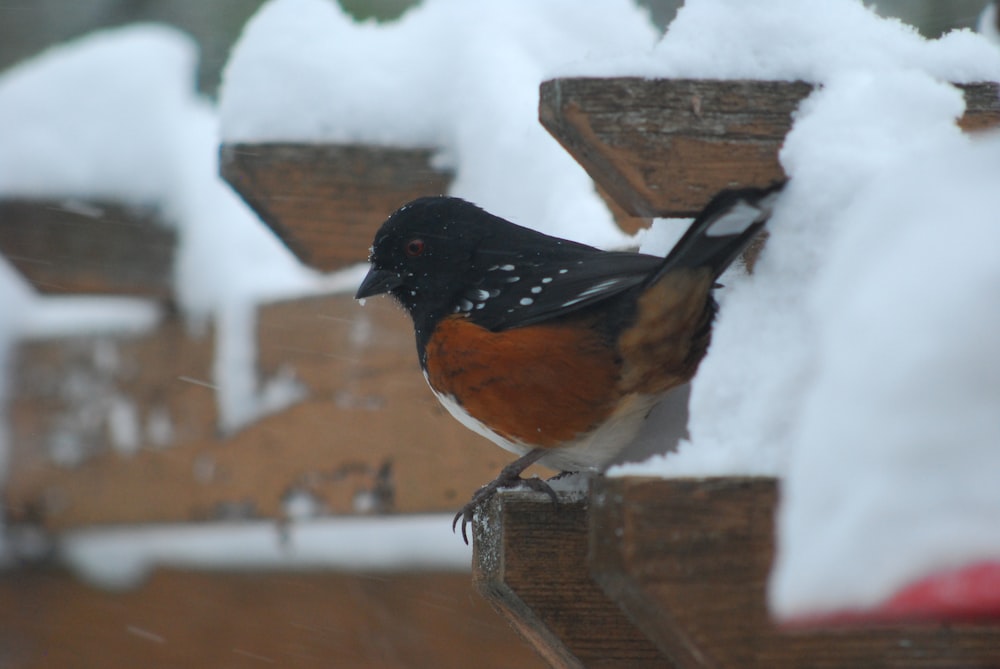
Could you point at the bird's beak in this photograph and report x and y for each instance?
(378, 281)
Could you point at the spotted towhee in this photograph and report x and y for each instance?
(554, 350)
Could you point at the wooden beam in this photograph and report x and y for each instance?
(530, 562)
(688, 559)
(664, 147)
(307, 620)
(72, 247)
(324, 201)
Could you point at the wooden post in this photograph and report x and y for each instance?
(688, 560)
(529, 561)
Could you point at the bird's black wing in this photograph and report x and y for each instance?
(514, 290)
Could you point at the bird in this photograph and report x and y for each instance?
(554, 350)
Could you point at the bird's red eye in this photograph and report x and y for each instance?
(414, 247)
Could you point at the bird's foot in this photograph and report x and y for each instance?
(509, 477)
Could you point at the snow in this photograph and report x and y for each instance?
(115, 115)
(304, 71)
(858, 363)
(121, 557)
(791, 40)
(894, 473)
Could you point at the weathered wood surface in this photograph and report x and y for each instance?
(367, 437)
(325, 202)
(74, 399)
(72, 246)
(247, 620)
(664, 147)
(688, 559)
(530, 562)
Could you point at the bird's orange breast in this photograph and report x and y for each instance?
(542, 385)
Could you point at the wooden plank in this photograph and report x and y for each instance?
(530, 562)
(237, 620)
(99, 247)
(325, 202)
(688, 559)
(368, 436)
(664, 147)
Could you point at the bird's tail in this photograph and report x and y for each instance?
(722, 230)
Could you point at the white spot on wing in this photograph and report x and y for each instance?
(596, 289)
(734, 221)
(526, 301)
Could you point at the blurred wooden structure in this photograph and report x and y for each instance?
(240, 620)
(114, 428)
(68, 246)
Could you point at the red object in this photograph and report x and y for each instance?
(969, 593)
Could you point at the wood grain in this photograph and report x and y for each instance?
(689, 559)
(101, 247)
(325, 202)
(664, 147)
(530, 562)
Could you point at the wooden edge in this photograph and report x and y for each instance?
(529, 561)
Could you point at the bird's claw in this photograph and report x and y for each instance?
(468, 512)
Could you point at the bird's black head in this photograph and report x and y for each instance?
(441, 255)
(425, 253)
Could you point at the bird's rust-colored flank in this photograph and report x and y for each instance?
(514, 382)
(662, 349)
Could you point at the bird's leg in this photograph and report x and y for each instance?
(509, 477)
